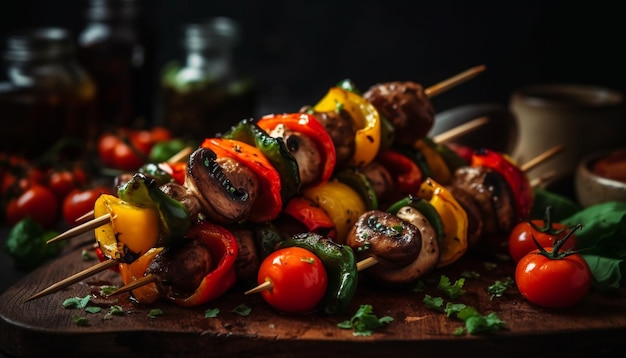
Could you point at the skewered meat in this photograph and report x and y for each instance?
(492, 196)
(406, 107)
(248, 259)
(341, 128)
(474, 216)
(180, 267)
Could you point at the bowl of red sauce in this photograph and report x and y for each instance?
(601, 177)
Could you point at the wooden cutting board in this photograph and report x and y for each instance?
(597, 326)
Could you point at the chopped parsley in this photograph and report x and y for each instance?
(155, 312)
(364, 321)
(499, 287)
(77, 302)
(242, 310)
(452, 290)
(211, 312)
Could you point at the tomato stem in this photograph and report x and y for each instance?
(548, 225)
(556, 252)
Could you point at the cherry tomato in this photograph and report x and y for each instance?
(298, 280)
(115, 153)
(80, 201)
(38, 202)
(128, 149)
(553, 282)
(61, 182)
(160, 134)
(521, 237)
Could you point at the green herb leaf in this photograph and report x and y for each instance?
(76, 302)
(106, 290)
(211, 312)
(364, 321)
(454, 309)
(92, 309)
(242, 310)
(155, 312)
(451, 290)
(80, 321)
(498, 288)
(477, 324)
(433, 303)
(116, 310)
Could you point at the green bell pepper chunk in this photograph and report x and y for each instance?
(361, 184)
(274, 149)
(340, 265)
(153, 171)
(174, 217)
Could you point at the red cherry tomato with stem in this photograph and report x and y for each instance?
(551, 278)
(298, 280)
(545, 232)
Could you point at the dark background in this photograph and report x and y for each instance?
(298, 49)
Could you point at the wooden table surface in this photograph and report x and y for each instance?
(597, 326)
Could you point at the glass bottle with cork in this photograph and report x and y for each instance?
(205, 94)
(45, 95)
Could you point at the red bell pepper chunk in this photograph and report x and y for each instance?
(269, 203)
(311, 215)
(407, 174)
(224, 249)
(176, 170)
(307, 125)
(523, 193)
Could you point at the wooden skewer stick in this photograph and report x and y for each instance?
(180, 155)
(133, 285)
(75, 278)
(454, 81)
(82, 219)
(267, 285)
(460, 130)
(541, 158)
(82, 228)
(543, 178)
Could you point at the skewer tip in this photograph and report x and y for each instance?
(265, 286)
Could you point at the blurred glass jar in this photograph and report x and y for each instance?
(115, 49)
(45, 94)
(205, 94)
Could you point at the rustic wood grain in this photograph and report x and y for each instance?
(597, 326)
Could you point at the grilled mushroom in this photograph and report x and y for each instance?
(225, 189)
(395, 243)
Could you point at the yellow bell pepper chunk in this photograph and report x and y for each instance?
(454, 220)
(366, 119)
(131, 228)
(438, 166)
(342, 204)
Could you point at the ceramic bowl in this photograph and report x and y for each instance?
(593, 189)
(582, 118)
